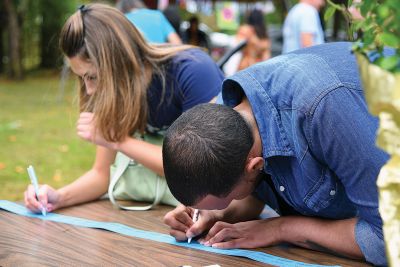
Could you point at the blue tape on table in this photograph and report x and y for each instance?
(158, 237)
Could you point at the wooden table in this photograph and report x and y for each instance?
(33, 242)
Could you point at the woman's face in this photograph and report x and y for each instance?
(86, 71)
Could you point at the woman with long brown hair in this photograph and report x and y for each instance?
(127, 86)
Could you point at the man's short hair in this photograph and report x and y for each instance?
(205, 152)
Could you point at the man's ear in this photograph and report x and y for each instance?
(254, 166)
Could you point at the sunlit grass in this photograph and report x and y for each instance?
(37, 129)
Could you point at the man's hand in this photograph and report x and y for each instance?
(182, 225)
(86, 129)
(250, 234)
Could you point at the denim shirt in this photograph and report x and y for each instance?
(318, 139)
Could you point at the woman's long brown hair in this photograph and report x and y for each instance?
(125, 64)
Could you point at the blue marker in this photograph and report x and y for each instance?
(34, 182)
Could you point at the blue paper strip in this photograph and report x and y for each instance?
(158, 237)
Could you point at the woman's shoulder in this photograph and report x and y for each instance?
(191, 53)
(192, 58)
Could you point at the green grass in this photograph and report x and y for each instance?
(37, 129)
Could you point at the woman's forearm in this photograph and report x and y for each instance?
(147, 154)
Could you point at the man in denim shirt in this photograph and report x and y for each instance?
(299, 127)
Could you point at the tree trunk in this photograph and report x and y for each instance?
(337, 21)
(14, 49)
(3, 21)
(282, 7)
(53, 13)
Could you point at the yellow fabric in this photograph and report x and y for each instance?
(382, 90)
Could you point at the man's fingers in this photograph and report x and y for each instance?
(178, 219)
(184, 218)
(176, 225)
(179, 235)
(218, 226)
(198, 227)
(233, 243)
(224, 234)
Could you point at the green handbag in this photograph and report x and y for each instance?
(130, 180)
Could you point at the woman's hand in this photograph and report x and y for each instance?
(48, 197)
(250, 234)
(86, 129)
(182, 225)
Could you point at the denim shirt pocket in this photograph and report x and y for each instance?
(322, 194)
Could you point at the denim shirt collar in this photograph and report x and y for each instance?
(273, 136)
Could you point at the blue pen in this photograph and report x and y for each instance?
(34, 182)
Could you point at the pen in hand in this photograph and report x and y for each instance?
(34, 182)
(195, 218)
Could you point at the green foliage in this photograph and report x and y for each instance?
(329, 12)
(39, 22)
(37, 129)
(380, 27)
(54, 15)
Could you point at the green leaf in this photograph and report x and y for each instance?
(329, 13)
(389, 63)
(368, 38)
(367, 6)
(389, 39)
(338, 7)
(393, 3)
(349, 3)
(383, 11)
(358, 24)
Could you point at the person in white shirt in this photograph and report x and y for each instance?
(302, 26)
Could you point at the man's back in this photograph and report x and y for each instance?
(318, 138)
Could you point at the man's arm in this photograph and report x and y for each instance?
(332, 236)
(346, 143)
(335, 237)
(306, 39)
(245, 209)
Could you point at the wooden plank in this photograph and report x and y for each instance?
(33, 242)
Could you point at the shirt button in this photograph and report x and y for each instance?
(332, 193)
(282, 188)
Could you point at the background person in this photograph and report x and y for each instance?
(258, 47)
(151, 23)
(127, 87)
(302, 26)
(173, 16)
(308, 137)
(194, 36)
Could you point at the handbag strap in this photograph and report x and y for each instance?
(123, 164)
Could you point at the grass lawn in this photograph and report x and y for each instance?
(37, 129)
